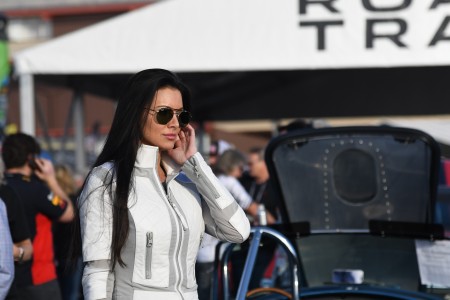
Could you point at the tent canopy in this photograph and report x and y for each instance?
(259, 59)
(319, 93)
(251, 35)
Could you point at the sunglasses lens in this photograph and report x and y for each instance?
(184, 118)
(164, 115)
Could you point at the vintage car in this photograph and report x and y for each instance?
(356, 202)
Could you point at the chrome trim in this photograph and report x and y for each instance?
(250, 262)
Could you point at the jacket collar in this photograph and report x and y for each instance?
(147, 157)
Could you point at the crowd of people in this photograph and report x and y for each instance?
(37, 206)
(147, 218)
(246, 177)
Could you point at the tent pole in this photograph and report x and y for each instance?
(80, 155)
(67, 125)
(27, 122)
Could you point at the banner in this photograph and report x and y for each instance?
(374, 33)
(252, 35)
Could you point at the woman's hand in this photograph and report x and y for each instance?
(185, 146)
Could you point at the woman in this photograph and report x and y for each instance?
(149, 198)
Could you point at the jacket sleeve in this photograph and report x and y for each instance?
(6, 253)
(224, 218)
(96, 231)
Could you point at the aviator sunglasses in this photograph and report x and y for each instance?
(163, 115)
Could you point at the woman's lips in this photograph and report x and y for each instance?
(171, 137)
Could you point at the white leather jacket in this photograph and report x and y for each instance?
(166, 229)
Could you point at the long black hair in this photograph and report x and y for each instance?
(123, 141)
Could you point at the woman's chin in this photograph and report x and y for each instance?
(166, 146)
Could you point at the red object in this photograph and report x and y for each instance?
(43, 268)
(446, 164)
(269, 270)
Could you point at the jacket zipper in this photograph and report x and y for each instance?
(183, 226)
(178, 213)
(148, 256)
(166, 194)
(178, 263)
(180, 230)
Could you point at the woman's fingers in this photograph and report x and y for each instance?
(191, 147)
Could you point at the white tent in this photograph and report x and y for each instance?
(244, 35)
(261, 49)
(202, 35)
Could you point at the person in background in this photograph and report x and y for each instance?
(216, 149)
(18, 226)
(257, 184)
(299, 124)
(6, 255)
(69, 277)
(295, 125)
(33, 180)
(228, 168)
(150, 197)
